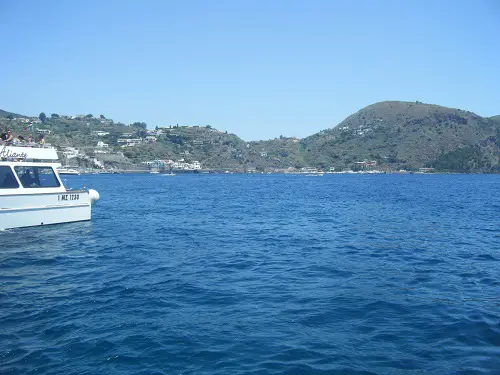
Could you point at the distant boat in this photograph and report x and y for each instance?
(67, 171)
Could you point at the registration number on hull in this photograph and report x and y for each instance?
(68, 197)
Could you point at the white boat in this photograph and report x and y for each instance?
(33, 194)
(67, 171)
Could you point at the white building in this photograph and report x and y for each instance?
(70, 152)
(102, 145)
(154, 132)
(129, 142)
(22, 119)
(100, 133)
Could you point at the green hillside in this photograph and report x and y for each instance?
(395, 135)
(9, 114)
(213, 148)
(407, 135)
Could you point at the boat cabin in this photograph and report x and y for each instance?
(25, 170)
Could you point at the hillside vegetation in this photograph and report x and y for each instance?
(8, 114)
(395, 135)
(409, 136)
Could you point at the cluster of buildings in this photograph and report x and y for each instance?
(128, 139)
(178, 165)
(360, 130)
(101, 119)
(27, 120)
(366, 165)
(68, 154)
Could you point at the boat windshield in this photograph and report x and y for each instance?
(37, 177)
(7, 179)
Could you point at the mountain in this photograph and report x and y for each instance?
(395, 135)
(7, 114)
(409, 135)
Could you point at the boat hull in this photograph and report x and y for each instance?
(22, 210)
(69, 173)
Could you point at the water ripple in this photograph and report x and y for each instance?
(260, 275)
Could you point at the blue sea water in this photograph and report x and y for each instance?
(260, 274)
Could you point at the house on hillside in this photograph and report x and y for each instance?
(154, 132)
(366, 164)
(129, 142)
(21, 119)
(100, 133)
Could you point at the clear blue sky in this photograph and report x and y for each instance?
(256, 68)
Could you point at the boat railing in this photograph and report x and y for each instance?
(26, 145)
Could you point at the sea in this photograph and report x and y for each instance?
(259, 274)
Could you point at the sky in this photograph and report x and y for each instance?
(256, 68)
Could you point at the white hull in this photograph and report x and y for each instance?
(68, 172)
(23, 210)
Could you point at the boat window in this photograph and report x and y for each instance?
(7, 179)
(37, 177)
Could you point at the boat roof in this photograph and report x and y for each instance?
(27, 154)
